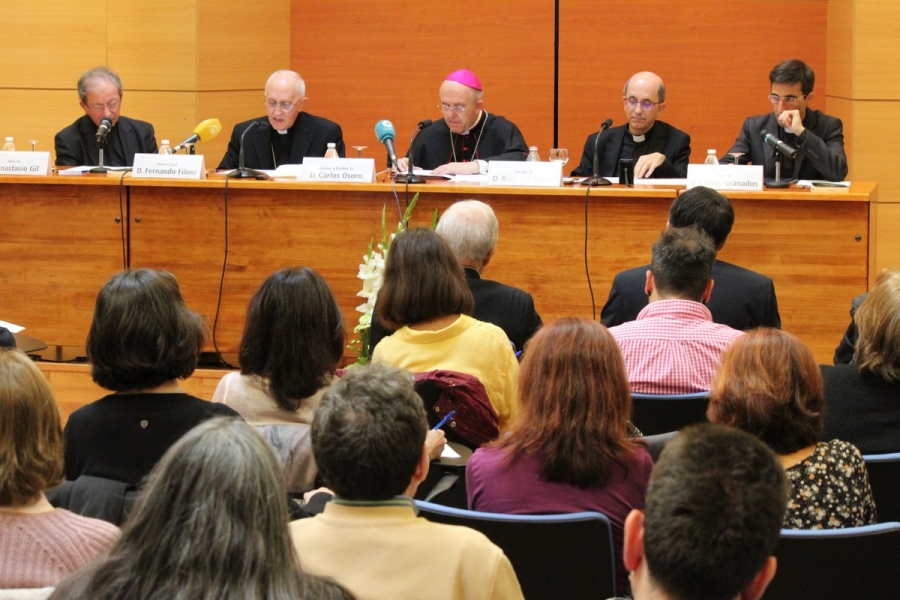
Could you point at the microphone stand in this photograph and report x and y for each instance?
(595, 178)
(778, 183)
(101, 143)
(243, 172)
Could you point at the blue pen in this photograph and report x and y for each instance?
(445, 419)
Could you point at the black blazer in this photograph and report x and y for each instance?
(673, 143)
(741, 298)
(311, 137)
(76, 145)
(820, 148)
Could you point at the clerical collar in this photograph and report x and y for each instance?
(640, 138)
(282, 131)
(475, 124)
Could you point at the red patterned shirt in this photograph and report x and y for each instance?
(673, 347)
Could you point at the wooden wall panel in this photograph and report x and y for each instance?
(46, 45)
(714, 57)
(875, 126)
(366, 61)
(153, 45)
(57, 109)
(173, 114)
(840, 49)
(876, 46)
(230, 108)
(240, 44)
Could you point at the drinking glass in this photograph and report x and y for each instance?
(736, 155)
(33, 144)
(359, 150)
(559, 155)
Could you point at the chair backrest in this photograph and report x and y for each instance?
(884, 476)
(292, 445)
(555, 556)
(662, 413)
(475, 421)
(856, 562)
(95, 497)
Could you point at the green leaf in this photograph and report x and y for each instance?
(434, 219)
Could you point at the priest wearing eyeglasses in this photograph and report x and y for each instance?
(658, 149)
(286, 134)
(817, 137)
(468, 137)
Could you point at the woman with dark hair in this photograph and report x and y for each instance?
(210, 523)
(569, 449)
(862, 399)
(293, 339)
(143, 339)
(39, 545)
(425, 297)
(769, 384)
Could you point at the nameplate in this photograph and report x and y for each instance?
(534, 174)
(726, 177)
(25, 163)
(168, 166)
(339, 170)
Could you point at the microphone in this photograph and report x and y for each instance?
(243, 172)
(778, 144)
(206, 130)
(105, 126)
(595, 178)
(384, 131)
(409, 176)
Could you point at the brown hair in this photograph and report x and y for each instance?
(878, 321)
(770, 385)
(575, 404)
(31, 446)
(422, 280)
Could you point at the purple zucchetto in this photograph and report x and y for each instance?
(465, 77)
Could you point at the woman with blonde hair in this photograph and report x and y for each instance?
(570, 448)
(769, 384)
(39, 545)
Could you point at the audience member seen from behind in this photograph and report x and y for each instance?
(39, 545)
(861, 399)
(143, 339)
(210, 523)
(426, 297)
(713, 514)
(673, 347)
(369, 438)
(569, 449)
(293, 339)
(769, 385)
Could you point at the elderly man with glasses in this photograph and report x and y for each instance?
(657, 148)
(468, 137)
(286, 134)
(100, 95)
(818, 138)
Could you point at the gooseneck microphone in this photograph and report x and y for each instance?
(242, 172)
(206, 130)
(410, 176)
(595, 178)
(778, 144)
(105, 126)
(385, 132)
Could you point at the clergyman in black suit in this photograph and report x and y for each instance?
(470, 228)
(817, 137)
(742, 299)
(659, 150)
(100, 95)
(286, 134)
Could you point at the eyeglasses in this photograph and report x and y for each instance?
(457, 108)
(645, 104)
(788, 100)
(284, 106)
(98, 108)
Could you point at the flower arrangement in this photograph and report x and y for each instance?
(371, 271)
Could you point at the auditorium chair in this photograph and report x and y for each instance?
(884, 476)
(662, 413)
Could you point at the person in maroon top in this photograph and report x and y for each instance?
(569, 450)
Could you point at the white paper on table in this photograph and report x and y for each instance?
(12, 326)
(449, 452)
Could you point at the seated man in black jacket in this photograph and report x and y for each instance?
(659, 150)
(741, 299)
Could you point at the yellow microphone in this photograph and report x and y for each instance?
(206, 130)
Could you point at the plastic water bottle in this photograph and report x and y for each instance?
(332, 151)
(711, 158)
(9, 146)
(165, 148)
(533, 155)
